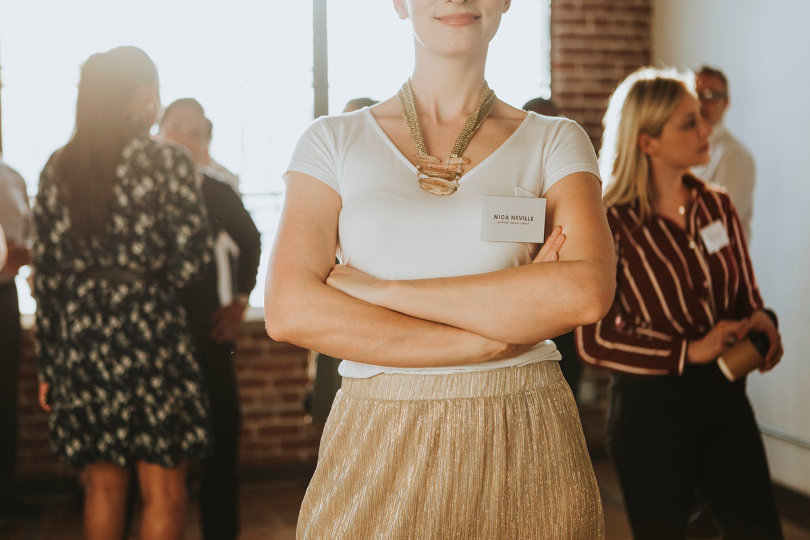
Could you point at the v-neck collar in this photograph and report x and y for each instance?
(387, 140)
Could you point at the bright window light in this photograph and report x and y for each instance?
(248, 62)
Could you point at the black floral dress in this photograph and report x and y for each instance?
(124, 384)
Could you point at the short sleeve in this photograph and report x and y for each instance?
(569, 150)
(316, 154)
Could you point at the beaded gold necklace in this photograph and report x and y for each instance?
(434, 176)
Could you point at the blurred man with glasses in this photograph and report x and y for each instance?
(730, 165)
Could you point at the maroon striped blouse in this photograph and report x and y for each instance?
(670, 289)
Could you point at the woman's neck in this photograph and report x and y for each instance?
(668, 190)
(447, 88)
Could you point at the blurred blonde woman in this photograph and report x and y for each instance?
(685, 293)
(453, 419)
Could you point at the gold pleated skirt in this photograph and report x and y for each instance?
(494, 454)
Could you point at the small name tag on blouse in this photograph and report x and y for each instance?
(513, 219)
(714, 236)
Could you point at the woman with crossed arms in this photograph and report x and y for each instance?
(453, 419)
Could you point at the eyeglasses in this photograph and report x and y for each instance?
(707, 94)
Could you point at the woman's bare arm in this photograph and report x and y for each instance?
(301, 309)
(523, 304)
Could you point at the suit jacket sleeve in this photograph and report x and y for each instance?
(227, 212)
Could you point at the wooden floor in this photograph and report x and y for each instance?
(269, 511)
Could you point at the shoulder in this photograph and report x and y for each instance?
(338, 126)
(554, 126)
(559, 138)
(145, 155)
(218, 191)
(732, 147)
(49, 173)
(156, 149)
(716, 199)
(623, 216)
(9, 174)
(11, 180)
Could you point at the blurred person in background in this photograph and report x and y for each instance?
(543, 106)
(685, 294)
(356, 104)
(731, 165)
(216, 306)
(211, 167)
(15, 223)
(120, 226)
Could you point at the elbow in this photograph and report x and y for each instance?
(283, 320)
(278, 322)
(597, 306)
(282, 327)
(275, 330)
(597, 297)
(273, 324)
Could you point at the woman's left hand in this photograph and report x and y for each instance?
(355, 283)
(550, 250)
(760, 322)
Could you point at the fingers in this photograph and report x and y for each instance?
(550, 249)
(558, 243)
(729, 332)
(556, 232)
(44, 388)
(744, 325)
(772, 360)
(775, 350)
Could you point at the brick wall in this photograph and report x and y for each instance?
(594, 44)
(276, 434)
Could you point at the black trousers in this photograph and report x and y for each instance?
(668, 435)
(219, 486)
(10, 352)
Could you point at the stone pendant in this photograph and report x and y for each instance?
(439, 178)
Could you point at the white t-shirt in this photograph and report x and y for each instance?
(392, 229)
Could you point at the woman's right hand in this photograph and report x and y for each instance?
(719, 339)
(44, 388)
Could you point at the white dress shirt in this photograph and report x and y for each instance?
(731, 166)
(15, 210)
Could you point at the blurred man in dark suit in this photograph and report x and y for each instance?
(216, 305)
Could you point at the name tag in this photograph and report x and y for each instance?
(714, 236)
(513, 219)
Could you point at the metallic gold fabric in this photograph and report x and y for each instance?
(489, 454)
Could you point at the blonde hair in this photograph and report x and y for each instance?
(642, 103)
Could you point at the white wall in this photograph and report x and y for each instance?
(764, 49)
